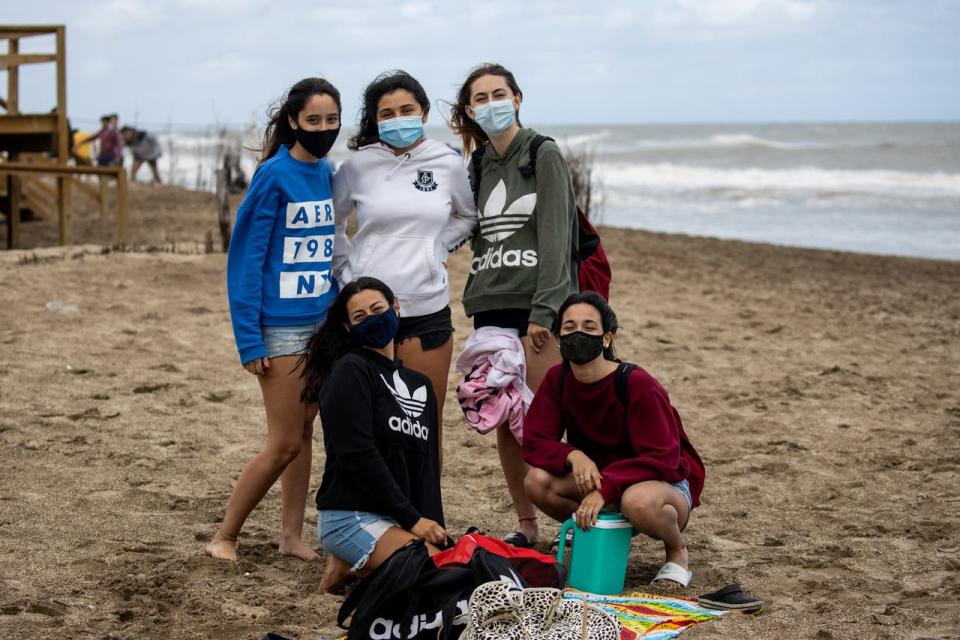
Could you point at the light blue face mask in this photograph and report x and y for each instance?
(495, 117)
(401, 132)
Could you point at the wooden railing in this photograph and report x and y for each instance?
(64, 176)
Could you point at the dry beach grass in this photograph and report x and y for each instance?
(821, 388)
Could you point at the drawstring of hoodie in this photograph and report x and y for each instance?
(403, 160)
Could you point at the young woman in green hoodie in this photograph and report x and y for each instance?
(523, 265)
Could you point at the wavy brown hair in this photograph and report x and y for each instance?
(471, 135)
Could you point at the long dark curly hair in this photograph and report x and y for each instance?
(278, 130)
(387, 82)
(332, 340)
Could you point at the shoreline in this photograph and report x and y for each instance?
(163, 217)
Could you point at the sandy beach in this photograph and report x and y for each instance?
(822, 390)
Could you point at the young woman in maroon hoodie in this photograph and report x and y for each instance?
(625, 450)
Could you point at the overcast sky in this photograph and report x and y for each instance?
(193, 62)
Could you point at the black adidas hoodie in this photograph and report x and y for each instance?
(380, 434)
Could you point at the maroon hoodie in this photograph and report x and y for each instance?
(645, 443)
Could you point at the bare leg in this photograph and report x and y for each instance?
(435, 364)
(539, 363)
(154, 170)
(658, 510)
(285, 425)
(389, 542)
(556, 496)
(334, 571)
(514, 471)
(511, 455)
(135, 169)
(295, 484)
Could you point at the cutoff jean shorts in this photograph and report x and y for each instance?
(684, 487)
(288, 341)
(352, 535)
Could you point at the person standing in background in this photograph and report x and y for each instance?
(145, 148)
(110, 153)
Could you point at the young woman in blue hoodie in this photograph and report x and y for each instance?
(280, 284)
(414, 206)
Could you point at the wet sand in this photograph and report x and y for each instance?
(822, 390)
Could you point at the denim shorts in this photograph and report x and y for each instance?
(351, 535)
(684, 487)
(288, 341)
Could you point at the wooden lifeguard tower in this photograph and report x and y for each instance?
(37, 145)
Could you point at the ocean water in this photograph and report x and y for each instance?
(885, 188)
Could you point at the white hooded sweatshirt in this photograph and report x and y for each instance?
(413, 209)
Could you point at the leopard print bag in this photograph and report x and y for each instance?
(501, 611)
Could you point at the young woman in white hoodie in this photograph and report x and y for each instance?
(414, 206)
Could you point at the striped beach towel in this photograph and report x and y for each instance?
(648, 616)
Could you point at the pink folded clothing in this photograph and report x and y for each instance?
(494, 389)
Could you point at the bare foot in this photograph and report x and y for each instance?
(335, 571)
(222, 547)
(297, 548)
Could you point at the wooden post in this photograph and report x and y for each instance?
(13, 80)
(122, 206)
(63, 132)
(223, 208)
(63, 213)
(13, 220)
(104, 196)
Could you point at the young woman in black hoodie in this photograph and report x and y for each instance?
(381, 482)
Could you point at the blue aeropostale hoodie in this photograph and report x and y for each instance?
(281, 251)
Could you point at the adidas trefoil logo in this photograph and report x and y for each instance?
(496, 224)
(412, 404)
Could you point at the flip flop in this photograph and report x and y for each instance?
(673, 572)
(731, 598)
(556, 541)
(517, 539)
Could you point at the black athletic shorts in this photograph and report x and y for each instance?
(433, 329)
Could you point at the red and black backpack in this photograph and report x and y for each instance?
(593, 268)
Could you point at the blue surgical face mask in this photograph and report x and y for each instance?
(376, 331)
(495, 117)
(401, 132)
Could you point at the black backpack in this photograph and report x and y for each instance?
(409, 597)
(593, 267)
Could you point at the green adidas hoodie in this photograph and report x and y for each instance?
(522, 250)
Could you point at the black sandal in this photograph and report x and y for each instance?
(731, 598)
(517, 539)
(556, 541)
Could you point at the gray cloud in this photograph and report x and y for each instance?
(183, 61)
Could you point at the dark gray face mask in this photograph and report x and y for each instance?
(579, 347)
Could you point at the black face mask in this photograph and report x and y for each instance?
(318, 143)
(579, 347)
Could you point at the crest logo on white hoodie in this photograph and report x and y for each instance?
(496, 225)
(412, 404)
